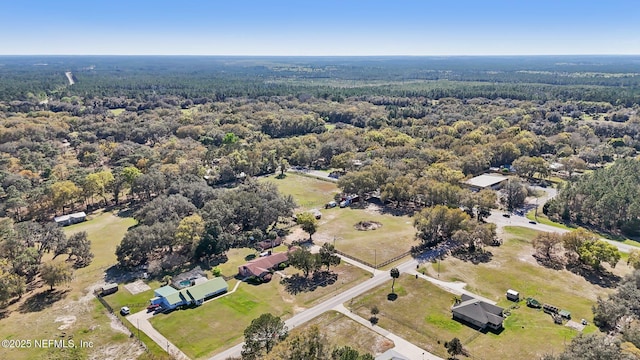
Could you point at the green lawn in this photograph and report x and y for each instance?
(116, 112)
(105, 231)
(309, 193)
(236, 257)
(219, 324)
(135, 302)
(203, 331)
(422, 314)
(543, 219)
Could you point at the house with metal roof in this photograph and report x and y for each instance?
(170, 298)
(478, 313)
(197, 294)
(69, 219)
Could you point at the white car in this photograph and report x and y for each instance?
(125, 311)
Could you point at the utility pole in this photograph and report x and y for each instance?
(375, 261)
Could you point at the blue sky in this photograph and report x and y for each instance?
(328, 27)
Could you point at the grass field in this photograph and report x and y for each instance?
(396, 236)
(309, 193)
(203, 331)
(37, 315)
(422, 314)
(116, 112)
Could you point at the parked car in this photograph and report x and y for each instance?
(532, 222)
(506, 215)
(330, 204)
(153, 307)
(125, 311)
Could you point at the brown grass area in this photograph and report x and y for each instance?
(342, 331)
(71, 311)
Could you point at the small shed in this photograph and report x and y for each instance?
(565, 314)
(513, 295)
(108, 289)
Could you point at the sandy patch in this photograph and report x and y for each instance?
(66, 321)
(117, 352)
(117, 325)
(383, 344)
(297, 234)
(373, 209)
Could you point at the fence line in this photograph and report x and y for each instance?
(387, 262)
(110, 310)
(376, 266)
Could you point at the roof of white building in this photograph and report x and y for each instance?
(486, 180)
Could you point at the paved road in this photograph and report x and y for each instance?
(501, 221)
(380, 278)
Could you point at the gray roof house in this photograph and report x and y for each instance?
(478, 313)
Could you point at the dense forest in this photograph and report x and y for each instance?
(605, 199)
(542, 78)
(168, 135)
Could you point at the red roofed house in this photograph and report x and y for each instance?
(261, 266)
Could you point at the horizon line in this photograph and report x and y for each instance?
(342, 56)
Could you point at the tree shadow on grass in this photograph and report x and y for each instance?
(4, 314)
(43, 300)
(552, 263)
(298, 284)
(117, 274)
(475, 257)
(602, 278)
